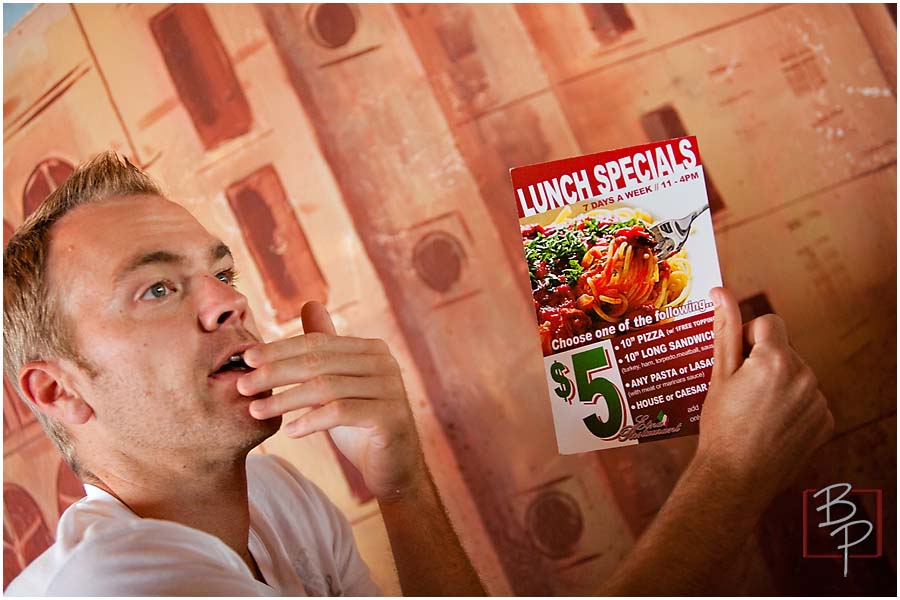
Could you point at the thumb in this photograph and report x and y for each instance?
(315, 317)
(728, 334)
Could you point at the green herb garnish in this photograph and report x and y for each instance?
(560, 252)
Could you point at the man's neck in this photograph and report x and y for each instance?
(211, 497)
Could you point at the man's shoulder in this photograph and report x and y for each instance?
(87, 520)
(95, 541)
(108, 552)
(33, 579)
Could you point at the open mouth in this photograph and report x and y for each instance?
(234, 363)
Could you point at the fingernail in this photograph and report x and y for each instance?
(714, 296)
(257, 407)
(251, 356)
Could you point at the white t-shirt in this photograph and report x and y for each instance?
(302, 543)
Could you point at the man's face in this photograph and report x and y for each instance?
(150, 297)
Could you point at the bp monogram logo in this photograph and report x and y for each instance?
(836, 508)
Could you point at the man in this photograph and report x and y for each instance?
(125, 334)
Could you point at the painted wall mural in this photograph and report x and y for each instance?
(359, 155)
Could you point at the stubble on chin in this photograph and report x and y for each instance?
(264, 431)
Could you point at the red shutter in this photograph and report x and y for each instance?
(46, 177)
(25, 534)
(663, 124)
(755, 306)
(608, 21)
(202, 73)
(277, 243)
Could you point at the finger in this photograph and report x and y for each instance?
(767, 330)
(315, 317)
(316, 341)
(350, 412)
(320, 391)
(300, 369)
(727, 334)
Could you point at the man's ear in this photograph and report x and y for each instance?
(45, 385)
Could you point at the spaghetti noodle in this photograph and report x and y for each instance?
(598, 269)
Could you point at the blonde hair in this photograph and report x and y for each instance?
(33, 326)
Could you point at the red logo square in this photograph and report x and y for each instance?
(816, 515)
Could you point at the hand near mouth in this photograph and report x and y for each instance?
(353, 389)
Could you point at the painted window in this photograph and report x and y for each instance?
(202, 73)
(277, 243)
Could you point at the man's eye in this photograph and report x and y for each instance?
(228, 276)
(158, 290)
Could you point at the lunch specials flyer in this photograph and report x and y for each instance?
(621, 257)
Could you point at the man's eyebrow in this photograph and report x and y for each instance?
(150, 258)
(217, 252)
(220, 251)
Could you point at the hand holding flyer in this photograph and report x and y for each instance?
(621, 257)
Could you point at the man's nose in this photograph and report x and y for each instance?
(219, 304)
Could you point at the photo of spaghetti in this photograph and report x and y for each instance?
(599, 268)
